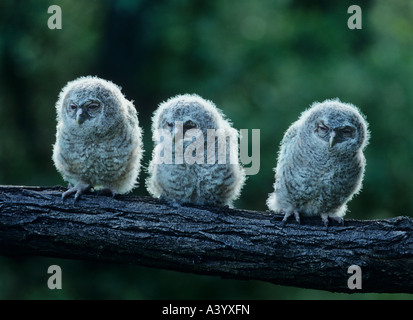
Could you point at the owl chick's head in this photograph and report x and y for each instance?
(336, 125)
(90, 104)
(186, 112)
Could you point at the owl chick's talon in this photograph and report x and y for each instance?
(339, 220)
(175, 204)
(113, 193)
(172, 203)
(67, 193)
(297, 217)
(109, 191)
(64, 196)
(285, 218)
(79, 189)
(289, 214)
(77, 196)
(325, 218)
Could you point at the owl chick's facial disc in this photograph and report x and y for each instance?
(338, 123)
(85, 100)
(84, 111)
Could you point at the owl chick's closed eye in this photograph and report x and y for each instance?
(321, 162)
(203, 165)
(98, 138)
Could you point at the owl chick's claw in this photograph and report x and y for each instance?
(78, 189)
(290, 213)
(340, 220)
(109, 191)
(325, 216)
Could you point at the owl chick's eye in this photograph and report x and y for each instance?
(188, 125)
(73, 107)
(93, 106)
(322, 128)
(347, 131)
(169, 124)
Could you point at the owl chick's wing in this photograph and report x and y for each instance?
(288, 140)
(290, 134)
(131, 114)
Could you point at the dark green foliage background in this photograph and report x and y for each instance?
(262, 62)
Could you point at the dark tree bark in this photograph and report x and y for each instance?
(225, 242)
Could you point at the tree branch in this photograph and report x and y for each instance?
(231, 243)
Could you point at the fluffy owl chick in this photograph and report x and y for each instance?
(320, 163)
(98, 138)
(195, 159)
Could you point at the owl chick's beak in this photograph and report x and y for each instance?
(81, 116)
(332, 136)
(177, 133)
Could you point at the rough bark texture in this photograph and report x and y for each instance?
(224, 242)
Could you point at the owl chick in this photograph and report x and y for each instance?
(195, 159)
(320, 163)
(98, 138)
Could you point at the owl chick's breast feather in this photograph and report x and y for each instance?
(98, 161)
(311, 175)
